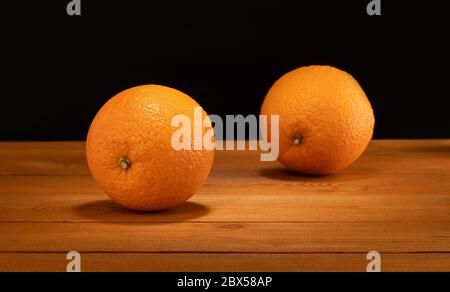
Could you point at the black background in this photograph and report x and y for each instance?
(58, 70)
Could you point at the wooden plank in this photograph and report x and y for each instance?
(225, 237)
(240, 206)
(279, 182)
(235, 262)
(381, 157)
(64, 158)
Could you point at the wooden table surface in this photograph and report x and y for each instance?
(248, 216)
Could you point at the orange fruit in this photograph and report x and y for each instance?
(326, 120)
(129, 150)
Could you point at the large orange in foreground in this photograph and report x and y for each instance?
(129, 149)
(326, 120)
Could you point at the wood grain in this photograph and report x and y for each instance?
(217, 262)
(225, 237)
(249, 215)
(380, 159)
(235, 206)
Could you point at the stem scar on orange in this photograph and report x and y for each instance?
(326, 120)
(130, 155)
